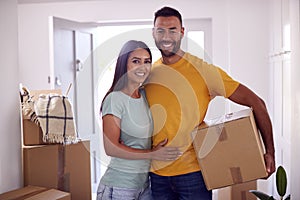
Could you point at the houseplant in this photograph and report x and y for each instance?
(281, 185)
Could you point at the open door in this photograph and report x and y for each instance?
(74, 64)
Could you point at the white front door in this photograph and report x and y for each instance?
(74, 64)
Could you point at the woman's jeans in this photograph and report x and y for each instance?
(182, 187)
(115, 193)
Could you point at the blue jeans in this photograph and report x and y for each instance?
(115, 193)
(182, 187)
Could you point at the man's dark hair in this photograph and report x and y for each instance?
(167, 12)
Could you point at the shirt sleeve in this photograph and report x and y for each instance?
(218, 82)
(230, 85)
(112, 105)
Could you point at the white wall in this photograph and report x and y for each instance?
(248, 27)
(10, 154)
(295, 63)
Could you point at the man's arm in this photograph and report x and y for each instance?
(246, 97)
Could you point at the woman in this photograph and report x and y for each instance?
(127, 128)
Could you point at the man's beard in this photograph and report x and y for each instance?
(166, 53)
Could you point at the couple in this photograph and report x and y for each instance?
(178, 91)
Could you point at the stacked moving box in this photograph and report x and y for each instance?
(58, 166)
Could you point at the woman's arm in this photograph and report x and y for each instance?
(115, 148)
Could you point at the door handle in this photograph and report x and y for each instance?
(79, 65)
(57, 81)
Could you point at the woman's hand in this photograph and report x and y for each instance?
(160, 152)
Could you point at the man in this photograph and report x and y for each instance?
(179, 90)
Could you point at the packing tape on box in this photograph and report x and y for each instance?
(243, 195)
(61, 167)
(213, 135)
(236, 175)
(223, 135)
(63, 178)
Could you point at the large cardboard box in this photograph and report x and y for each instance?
(32, 133)
(63, 167)
(35, 193)
(238, 191)
(229, 150)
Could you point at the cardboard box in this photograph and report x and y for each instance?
(238, 191)
(32, 133)
(229, 150)
(35, 193)
(63, 167)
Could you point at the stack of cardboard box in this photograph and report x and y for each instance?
(57, 166)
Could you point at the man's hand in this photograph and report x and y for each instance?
(270, 163)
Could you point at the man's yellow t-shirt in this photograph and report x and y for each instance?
(178, 96)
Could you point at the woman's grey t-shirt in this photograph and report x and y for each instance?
(136, 131)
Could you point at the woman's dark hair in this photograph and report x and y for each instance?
(167, 12)
(120, 77)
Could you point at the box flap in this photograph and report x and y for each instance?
(51, 194)
(22, 192)
(226, 118)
